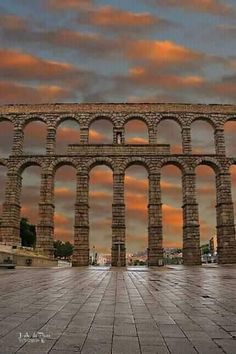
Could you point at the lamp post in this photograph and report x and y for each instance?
(119, 244)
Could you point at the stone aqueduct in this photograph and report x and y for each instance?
(118, 156)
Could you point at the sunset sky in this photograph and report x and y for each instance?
(118, 51)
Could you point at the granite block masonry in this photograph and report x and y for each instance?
(119, 156)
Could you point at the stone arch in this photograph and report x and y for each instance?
(230, 135)
(205, 118)
(64, 199)
(98, 117)
(68, 131)
(33, 118)
(22, 166)
(35, 136)
(60, 163)
(101, 133)
(29, 194)
(207, 130)
(169, 132)
(100, 200)
(137, 116)
(174, 117)
(98, 162)
(171, 190)
(145, 127)
(136, 201)
(6, 136)
(137, 161)
(211, 162)
(66, 117)
(175, 162)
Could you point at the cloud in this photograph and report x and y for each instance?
(12, 93)
(214, 7)
(119, 20)
(162, 53)
(23, 66)
(68, 5)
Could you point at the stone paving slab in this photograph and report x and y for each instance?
(175, 310)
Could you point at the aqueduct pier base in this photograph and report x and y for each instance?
(119, 156)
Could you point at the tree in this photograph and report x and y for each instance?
(63, 249)
(205, 249)
(27, 233)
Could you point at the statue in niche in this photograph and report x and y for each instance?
(119, 138)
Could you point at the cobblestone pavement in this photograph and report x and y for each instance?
(97, 311)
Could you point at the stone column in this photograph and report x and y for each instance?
(81, 228)
(155, 239)
(10, 221)
(84, 135)
(118, 220)
(18, 141)
(51, 141)
(45, 227)
(219, 141)
(226, 242)
(186, 140)
(191, 234)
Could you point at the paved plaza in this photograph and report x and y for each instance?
(101, 311)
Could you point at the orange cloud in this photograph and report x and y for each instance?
(214, 7)
(162, 53)
(136, 140)
(25, 66)
(16, 93)
(102, 178)
(148, 77)
(61, 219)
(97, 138)
(64, 192)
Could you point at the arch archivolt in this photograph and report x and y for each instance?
(66, 117)
(106, 161)
(172, 117)
(94, 118)
(180, 163)
(205, 118)
(211, 162)
(144, 162)
(145, 119)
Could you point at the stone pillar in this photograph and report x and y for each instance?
(226, 242)
(155, 239)
(81, 228)
(186, 140)
(84, 135)
(219, 141)
(118, 221)
(10, 220)
(51, 141)
(191, 234)
(45, 227)
(152, 133)
(118, 135)
(18, 141)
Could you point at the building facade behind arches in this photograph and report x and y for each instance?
(119, 156)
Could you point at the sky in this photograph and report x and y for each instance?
(118, 51)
